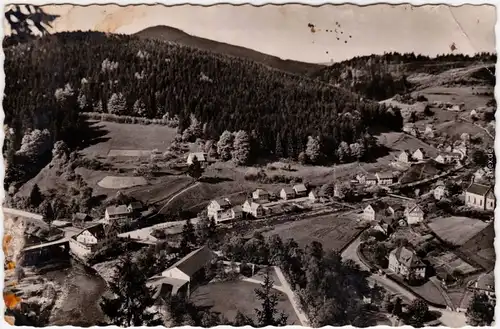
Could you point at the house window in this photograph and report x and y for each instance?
(469, 198)
(480, 202)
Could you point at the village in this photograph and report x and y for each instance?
(397, 237)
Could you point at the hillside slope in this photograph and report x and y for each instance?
(166, 33)
(127, 75)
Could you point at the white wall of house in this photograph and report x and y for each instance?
(439, 192)
(403, 157)
(475, 201)
(414, 217)
(369, 213)
(86, 237)
(490, 203)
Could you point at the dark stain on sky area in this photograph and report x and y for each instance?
(337, 30)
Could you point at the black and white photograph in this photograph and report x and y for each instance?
(273, 165)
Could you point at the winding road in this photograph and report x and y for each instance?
(448, 318)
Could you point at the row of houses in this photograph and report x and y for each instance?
(406, 156)
(380, 179)
(221, 210)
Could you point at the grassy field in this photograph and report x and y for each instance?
(230, 297)
(123, 136)
(160, 188)
(333, 231)
(121, 182)
(480, 247)
(456, 230)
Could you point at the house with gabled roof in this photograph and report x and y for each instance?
(371, 180)
(253, 208)
(480, 196)
(418, 155)
(384, 178)
(200, 156)
(377, 211)
(440, 191)
(187, 271)
(117, 213)
(287, 193)
(260, 195)
(300, 190)
(405, 262)
(220, 210)
(404, 156)
(413, 214)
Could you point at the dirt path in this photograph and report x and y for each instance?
(177, 194)
(291, 297)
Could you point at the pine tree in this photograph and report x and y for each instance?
(194, 169)
(241, 148)
(36, 196)
(117, 104)
(131, 297)
(269, 315)
(188, 237)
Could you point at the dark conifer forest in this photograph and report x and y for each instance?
(51, 79)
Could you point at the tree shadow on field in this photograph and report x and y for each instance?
(90, 133)
(214, 180)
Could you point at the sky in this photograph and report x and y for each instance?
(310, 34)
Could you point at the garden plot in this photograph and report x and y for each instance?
(121, 182)
(457, 230)
(451, 262)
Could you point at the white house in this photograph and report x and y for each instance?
(200, 156)
(404, 157)
(406, 263)
(385, 178)
(313, 196)
(117, 213)
(429, 131)
(414, 214)
(376, 211)
(418, 155)
(461, 150)
(253, 208)
(440, 191)
(480, 197)
(220, 210)
(300, 190)
(371, 180)
(260, 195)
(92, 235)
(287, 193)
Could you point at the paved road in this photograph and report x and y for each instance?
(291, 296)
(448, 318)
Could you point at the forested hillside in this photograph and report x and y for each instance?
(380, 77)
(53, 78)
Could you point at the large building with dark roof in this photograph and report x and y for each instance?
(480, 196)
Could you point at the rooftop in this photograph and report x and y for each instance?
(194, 261)
(117, 210)
(478, 189)
(407, 257)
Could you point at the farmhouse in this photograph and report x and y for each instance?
(418, 155)
(414, 214)
(287, 193)
(447, 157)
(405, 262)
(300, 190)
(91, 235)
(386, 224)
(409, 128)
(260, 195)
(404, 157)
(237, 212)
(313, 196)
(135, 207)
(188, 270)
(440, 191)
(460, 150)
(253, 208)
(377, 211)
(200, 156)
(480, 197)
(429, 131)
(385, 178)
(221, 210)
(485, 283)
(371, 180)
(116, 213)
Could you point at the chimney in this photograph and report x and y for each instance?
(472, 179)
